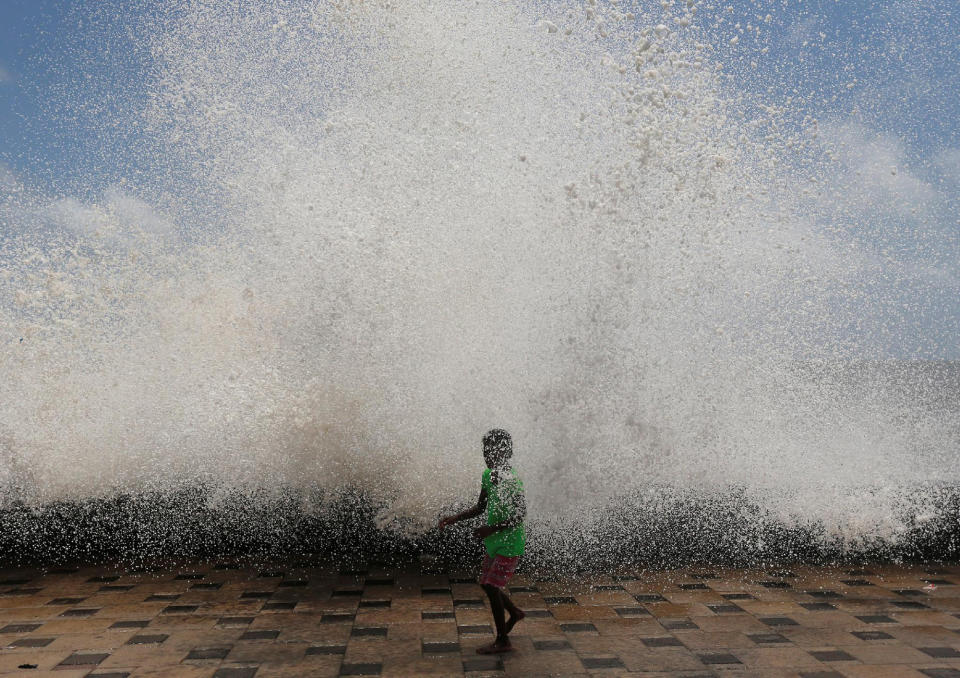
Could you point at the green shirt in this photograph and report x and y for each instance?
(500, 507)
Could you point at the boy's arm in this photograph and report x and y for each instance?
(519, 514)
(468, 514)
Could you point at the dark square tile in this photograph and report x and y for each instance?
(462, 580)
(718, 658)
(209, 653)
(260, 634)
(80, 612)
(363, 669)
(293, 583)
(368, 632)
(778, 621)
(578, 628)
(430, 647)
(20, 628)
(386, 581)
(161, 597)
(468, 603)
(909, 592)
(832, 656)
(337, 618)
(632, 611)
(436, 616)
(147, 640)
(694, 587)
(649, 598)
(257, 595)
(78, 659)
(725, 609)
(940, 673)
(782, 573)
(551, 645)
(607, 587)
(736, 596)
(32, 642)
(327, 649)
(474, 629)
(179, 609)
(226, 566)
(270, 574)
(678, 624)
(560, 600)
(375, 604)
(189, 576)
(909, 605)
(524, 589)
(485, 664)
(601, 663)
(940, 652)
(130, 624)
(103, 579)
(818, 607)
(109, 674)
(207, 586)
(66, 601)
(280, 605)
(872, 635)
(22, 592)
(939, 582)
(108, 588)
(236, 672)
(539, 614)
(820, 674)
(435, 591)
(14, 582)
(774, 584)
(855, 582)
(875, 619)
(234, 621)
(668, 641)
(767, 638)
(824, 593)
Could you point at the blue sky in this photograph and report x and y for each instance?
(880, 76)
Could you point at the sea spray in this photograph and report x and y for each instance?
(382, 229)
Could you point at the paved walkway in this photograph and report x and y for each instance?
(226, 622)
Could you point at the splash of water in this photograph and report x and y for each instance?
(408, 223)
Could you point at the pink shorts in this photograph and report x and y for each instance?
(497, 570)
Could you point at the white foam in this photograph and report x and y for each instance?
(410, 223)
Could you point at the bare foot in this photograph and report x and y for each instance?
(514, 618)
(496, 647)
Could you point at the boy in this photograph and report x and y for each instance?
(501, 494)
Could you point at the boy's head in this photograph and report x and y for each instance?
(497, 448)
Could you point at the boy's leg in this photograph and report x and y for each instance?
(516, 614)
(491, 579)
(499, 619)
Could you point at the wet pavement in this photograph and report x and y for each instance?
(228, 621)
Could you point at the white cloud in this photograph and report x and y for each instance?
(948, 164)
(120, 216)
(875, 173)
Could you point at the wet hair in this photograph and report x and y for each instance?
(499, 441)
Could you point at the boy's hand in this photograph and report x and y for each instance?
(483, 532)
